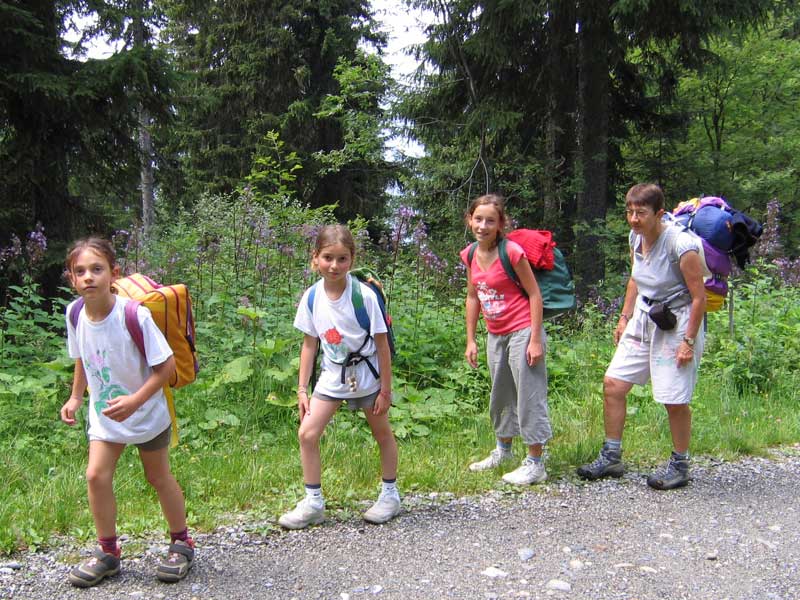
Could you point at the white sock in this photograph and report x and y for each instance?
(389, 487)
(315, 495)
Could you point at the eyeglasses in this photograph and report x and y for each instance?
(639, 212)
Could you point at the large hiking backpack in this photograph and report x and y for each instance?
(716, 267)
(369, 278)
(555, 283)
(171, 307)
(724, 232)
(721, 225)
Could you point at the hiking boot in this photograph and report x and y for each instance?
(607, 464)
(178, 561)
(674, 474)
(387, 507)
(94, 570)
(529, 472)
(307, 512)
(496, 458)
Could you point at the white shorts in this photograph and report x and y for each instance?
(646, 352)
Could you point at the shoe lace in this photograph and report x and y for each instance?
(669, 470)
(601, 461)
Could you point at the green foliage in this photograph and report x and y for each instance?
(238, 451)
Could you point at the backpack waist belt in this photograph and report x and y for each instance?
(353, 358)
(675, 301)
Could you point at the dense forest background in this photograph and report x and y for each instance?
(216, 137)
(558, 105)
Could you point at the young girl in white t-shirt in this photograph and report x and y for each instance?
(355, 366)
(126, 406)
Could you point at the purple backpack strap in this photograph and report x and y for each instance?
(75, 312)
(132, 323)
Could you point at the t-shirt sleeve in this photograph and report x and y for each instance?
(304, 320)
(514, 251)
(72, 337)
(155, 344)
(686, 242)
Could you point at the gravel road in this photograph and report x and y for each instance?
(732, 534)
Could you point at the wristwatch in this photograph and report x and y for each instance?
(689, 341)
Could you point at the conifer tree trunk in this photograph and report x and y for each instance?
(594, 106)
(145, 140)
(559, 197)
(147, 178)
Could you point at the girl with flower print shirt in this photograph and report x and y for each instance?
(365, 383)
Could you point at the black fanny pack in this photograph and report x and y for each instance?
(662, 316)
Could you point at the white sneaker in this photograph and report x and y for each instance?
(385, 508)
(496, 458)
(307, 512)
(527, 473)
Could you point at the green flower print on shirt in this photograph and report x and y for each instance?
(101, 373)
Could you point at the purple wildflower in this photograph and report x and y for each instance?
(36, 245)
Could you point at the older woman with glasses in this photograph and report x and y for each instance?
(659, 336)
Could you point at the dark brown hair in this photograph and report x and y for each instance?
(334, 234)
(99, 245)
(645, 194)
(495, 200)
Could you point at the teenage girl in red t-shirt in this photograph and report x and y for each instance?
(515, 346)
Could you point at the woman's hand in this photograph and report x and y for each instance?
(534, 352)
(471, 354)
(685, 354)
(620, 329)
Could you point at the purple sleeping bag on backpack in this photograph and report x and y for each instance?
(711, 221)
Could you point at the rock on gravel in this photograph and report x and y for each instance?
(732, 533)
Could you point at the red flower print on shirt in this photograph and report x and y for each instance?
(332, 336)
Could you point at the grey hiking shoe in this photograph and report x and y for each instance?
(607, 464)
(307, 512)
(385, 509)
(94, 570)
(674, 474)
(526, 474)
(496, 458)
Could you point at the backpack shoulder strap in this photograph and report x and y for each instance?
(312, 292)
(75, 312)
(471, 254)
(358, 304)
(132, 324)
(505, 260)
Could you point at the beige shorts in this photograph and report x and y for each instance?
(364, 402)
(646, 353)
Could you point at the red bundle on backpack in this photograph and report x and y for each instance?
(538, 245)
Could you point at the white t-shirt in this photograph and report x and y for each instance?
(114, 367)
(334, 323)
(658, 275)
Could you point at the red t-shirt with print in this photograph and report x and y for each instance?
(504, 305)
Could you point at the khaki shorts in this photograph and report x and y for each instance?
(364, 402)
(157, 443)
(646, 353)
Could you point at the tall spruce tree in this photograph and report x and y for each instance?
(257, 66)
(68, 126)
(490, 98)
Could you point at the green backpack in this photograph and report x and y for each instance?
(556, 285)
